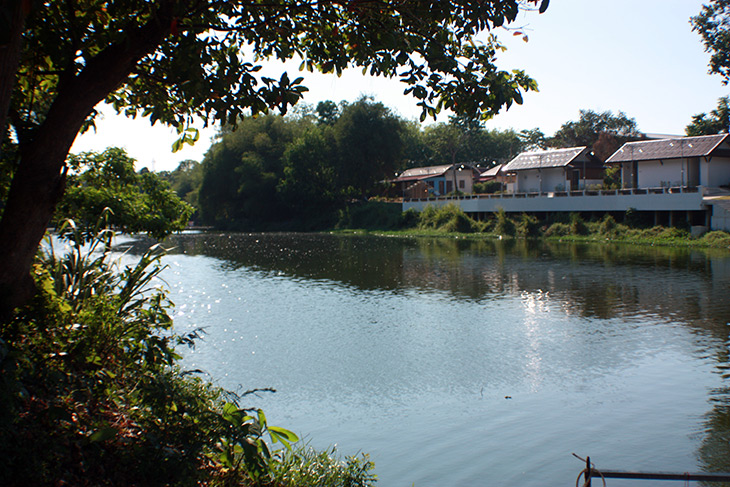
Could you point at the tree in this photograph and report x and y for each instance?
(185, 180)
(368, 138)
(242, 169)
(718, 121)
(308, 186)
(713, 25)
(109, 187)
(463, 141)
(170, 60)
(327, 112)
(588, 130)
(533, 139)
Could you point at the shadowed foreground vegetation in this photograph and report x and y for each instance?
(92, 392)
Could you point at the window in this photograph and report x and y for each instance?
(461, 184)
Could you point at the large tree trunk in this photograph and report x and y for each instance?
(38, 183)
(10, 43)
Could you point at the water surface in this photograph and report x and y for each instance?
(469, 363)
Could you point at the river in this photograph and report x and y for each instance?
(468, 363)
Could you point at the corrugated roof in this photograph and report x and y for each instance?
(422, 172)
(667, 149)
(492, 172)
(544, 158)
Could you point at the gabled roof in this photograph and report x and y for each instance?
(544, 158)
(675, 148)
(493, 172)
(418, 173)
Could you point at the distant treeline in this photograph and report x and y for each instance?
(299, 171)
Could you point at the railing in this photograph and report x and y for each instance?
(567, 194)
(591, 472)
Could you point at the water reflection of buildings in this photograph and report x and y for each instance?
(678, 286)
(600, 281)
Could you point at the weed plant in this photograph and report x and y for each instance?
(448, 218)
(451, 219)
(305, 466)
(504, 226)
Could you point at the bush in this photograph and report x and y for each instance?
(664, 233)
(607, 225)
(717, 238)
(488, 187)
(528, 226)
(449, 218)
(577, 225)
(504, 225)
(637, 219)
(558, 229)
(304, 466)
(371, 215)
(409, 218)
(459, 223)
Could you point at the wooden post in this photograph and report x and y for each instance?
(588, 472)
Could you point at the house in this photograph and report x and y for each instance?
(555, 170)
(674, 162)
(496, 174)
(420, 182)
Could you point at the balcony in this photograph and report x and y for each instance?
(689, 198)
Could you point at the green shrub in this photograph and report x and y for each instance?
(577, 225)
(449, 218)
(607, 225)
(371, 215)
(459, 223)
(664, 233)
(304, 466)
(488, 187)
(409, 218)
(558, 230)
(717, 238)
(528, 226)
(637, 219)
(503, 224)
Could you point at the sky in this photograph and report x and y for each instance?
(635, 56)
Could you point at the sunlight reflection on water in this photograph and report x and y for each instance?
(457, 363)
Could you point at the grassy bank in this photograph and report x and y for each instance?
(451, 221)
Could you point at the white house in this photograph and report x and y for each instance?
(554, 170)
(677, 162)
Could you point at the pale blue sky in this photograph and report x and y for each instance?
(637, 56)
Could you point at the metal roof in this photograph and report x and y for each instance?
(417, 173)
(493, 172)
(544, 158)
(675, 148)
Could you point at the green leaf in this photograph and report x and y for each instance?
(103, 434)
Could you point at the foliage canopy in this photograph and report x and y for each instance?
(603, 131)
(107, 185)
(717, 121)
(713, 25)
(170, 60)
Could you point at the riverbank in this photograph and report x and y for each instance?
(452, 222)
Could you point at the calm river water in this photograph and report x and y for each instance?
(469, 363)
